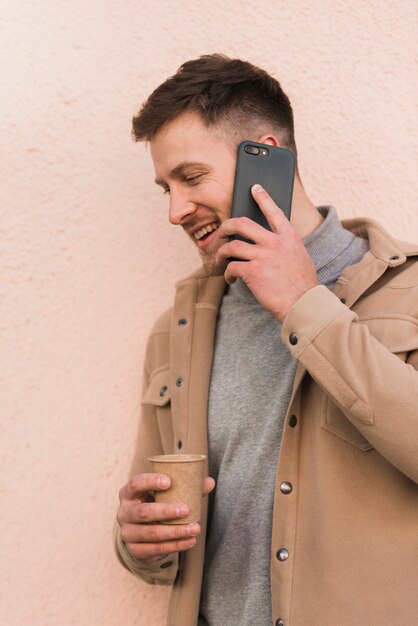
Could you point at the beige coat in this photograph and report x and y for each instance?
(349, 447)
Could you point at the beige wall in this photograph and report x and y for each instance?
(88, 259)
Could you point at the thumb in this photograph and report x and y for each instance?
(208, 485)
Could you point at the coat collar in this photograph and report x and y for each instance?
(382, 244)
(385, 251)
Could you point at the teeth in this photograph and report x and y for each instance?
(205, 230)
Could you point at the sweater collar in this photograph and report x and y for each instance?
(383, 249)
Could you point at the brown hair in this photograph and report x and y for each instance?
(222, 91)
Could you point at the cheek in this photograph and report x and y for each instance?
(221, 200)
(223, 208)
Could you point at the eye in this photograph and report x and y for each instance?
(193, 179)
(166, 190)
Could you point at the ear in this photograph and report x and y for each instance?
(269, 139)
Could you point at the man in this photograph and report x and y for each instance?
(293, 368)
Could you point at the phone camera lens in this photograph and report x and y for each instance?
(252, 149)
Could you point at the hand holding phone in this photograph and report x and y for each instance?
(274, 263)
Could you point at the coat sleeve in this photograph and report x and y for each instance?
(376, 390)
(149, 442)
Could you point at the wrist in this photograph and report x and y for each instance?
(290, 302)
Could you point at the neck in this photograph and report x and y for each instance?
(304, 217)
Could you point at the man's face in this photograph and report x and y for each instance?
(196, 167)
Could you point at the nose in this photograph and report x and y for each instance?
(180, 207)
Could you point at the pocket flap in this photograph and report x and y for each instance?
(396, 332)
(158, 391)
(335, 422)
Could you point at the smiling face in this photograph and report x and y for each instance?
(196, 166)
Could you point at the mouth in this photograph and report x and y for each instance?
(204, 232)
(205, 235)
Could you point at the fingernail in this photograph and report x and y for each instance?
(182, 510)
(194, 529)
(164, 481)
(256, 188)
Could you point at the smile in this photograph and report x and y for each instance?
(205, 230)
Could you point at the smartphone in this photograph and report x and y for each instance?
(273, 168)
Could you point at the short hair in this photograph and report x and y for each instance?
(222, 91)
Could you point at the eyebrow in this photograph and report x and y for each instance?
(178, 170)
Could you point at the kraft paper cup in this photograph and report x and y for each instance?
(187, 472)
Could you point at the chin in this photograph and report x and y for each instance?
(213, 268)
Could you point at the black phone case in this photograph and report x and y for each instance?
(275, 172)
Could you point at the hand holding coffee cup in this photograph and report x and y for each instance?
(143, 521)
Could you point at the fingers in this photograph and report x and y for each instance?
(146, 512)
(234, 270)
(158, 533)
(236, 249)
(144, 539)
(274, 215)
(147, 540)
(245, 227)
(137, 505)
(148, 550)
(132, 511)
(142, 483)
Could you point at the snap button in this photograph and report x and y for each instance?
(293, 420)
(179, 382)
(182, 322)
(293, 339)
(163, 390)
(282, 554)
(394, 258)
(166, 564)
(286, 487)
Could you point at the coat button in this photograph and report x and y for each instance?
(179, 382)
(166, 564)
(282, 554)
(279, 622)
(182, 322)
(163, 390)
(293, 420)
(286, 487)
(180, 444)
(293, 339)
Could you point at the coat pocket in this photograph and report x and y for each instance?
(334, 421)
(399, 334)
(157, 403)
(158, 391)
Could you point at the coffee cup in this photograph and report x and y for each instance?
(186, 472)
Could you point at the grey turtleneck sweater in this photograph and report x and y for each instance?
(251, 383)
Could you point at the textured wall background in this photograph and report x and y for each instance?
(88, 259)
